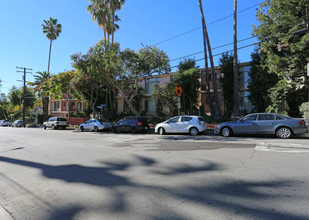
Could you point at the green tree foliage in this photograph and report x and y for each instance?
(286, 52)
(52, 30)
(165, 99)
(227, 82)
(3, 106)
(42, 87)
(104, 13)
(15, 104)
(260, 82)
(62, 86)
(105, 64)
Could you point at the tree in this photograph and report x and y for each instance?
(165, 99)
(286, 52)
(236, 112)
(261, 80)
(42, 86)
(105, 63)
(52, 30)
(103, 12)
(61, 86)
(214, 109)
(189, 81)
(226, 67)
(3, 106)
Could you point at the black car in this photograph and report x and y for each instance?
(131, 124)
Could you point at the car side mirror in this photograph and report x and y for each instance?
(167, 122)
(242, 121)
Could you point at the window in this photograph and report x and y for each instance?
(279, 117)
(249, 118)
(150, 106)
(184, 119)
(149, 86)
(173, 120)
(56, 106)
(79, 106)
(264, 117)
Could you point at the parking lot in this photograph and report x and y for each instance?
(68, 174)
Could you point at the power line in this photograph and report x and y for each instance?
(212, 48)
(249, 45)
(197, 28)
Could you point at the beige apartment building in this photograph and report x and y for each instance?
(148, 105)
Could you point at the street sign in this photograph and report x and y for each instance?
(178, 89)
(101, 106)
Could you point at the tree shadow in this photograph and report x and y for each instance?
(244, 199)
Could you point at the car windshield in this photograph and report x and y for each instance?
(249, 118)
(101, 120)
(61, 119)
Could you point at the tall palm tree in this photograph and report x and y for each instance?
(214, 75)
(236, 111)
(52, 30)
(41, 85)
(100, 13)
(103, 12)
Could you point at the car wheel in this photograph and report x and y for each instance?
(115, 130)
(95, 129)
(226, 132)
(44, 127)
(81, 128)
(161, 131)
(133, 130)
(53, 127)
(193, 131)
(284, 132)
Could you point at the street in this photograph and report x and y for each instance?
(67, 174)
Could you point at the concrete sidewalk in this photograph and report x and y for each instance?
(4, 215)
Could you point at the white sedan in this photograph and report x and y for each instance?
(182, 124)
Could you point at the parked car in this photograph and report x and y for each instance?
(95, 125)
(18, 123)
(5, 123)
(182, 124)
(263, 123)
(55, 123)
(131, 124)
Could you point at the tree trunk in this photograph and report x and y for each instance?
(122, 94)
(45, 103)
(113, 31)
(236, 111)
(50, 46)
(210, 101)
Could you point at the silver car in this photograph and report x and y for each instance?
(182, 124)
(263, 123)
(95, 125)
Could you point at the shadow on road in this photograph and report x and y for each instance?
(245, 199)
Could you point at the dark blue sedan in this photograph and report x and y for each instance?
(263, 123)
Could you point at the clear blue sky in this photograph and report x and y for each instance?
(149, 22)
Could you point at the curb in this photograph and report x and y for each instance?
(4, 215)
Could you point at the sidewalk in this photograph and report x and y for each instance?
(4, 215)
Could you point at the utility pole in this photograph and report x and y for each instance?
(236, 111)
(25, 88)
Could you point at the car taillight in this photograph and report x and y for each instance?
(57, 123)
(139, 123)
(302, 122)
(102, 123)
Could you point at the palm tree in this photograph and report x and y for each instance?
(103, 12)
(41, 85)
(236, 111)
(52, 30)
(214, 75)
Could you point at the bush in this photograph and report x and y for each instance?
(304, 110)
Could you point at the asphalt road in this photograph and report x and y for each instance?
(65, 174)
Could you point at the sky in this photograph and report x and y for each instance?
(172, 25)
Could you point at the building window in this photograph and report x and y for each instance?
(149, 87)
(79, 106)
(150, 106)
(56, 106)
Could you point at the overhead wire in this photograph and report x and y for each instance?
(197, 28)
